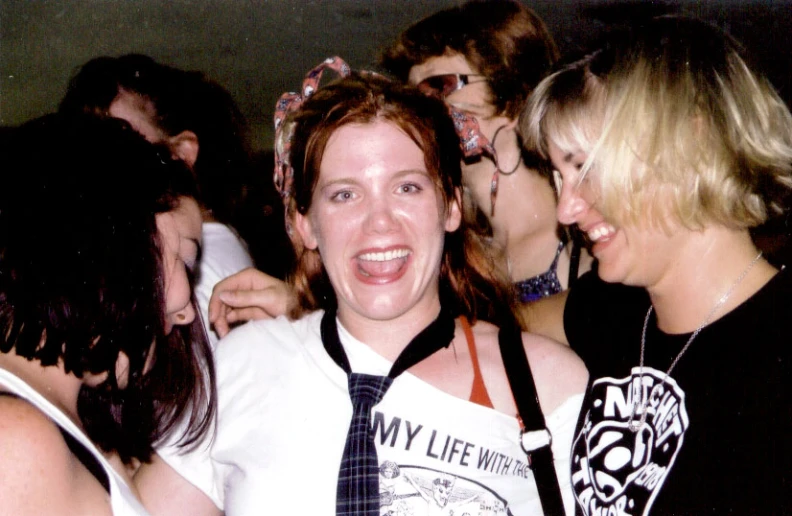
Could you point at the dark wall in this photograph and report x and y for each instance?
(260, 49)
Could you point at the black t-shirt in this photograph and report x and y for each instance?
(717, 434)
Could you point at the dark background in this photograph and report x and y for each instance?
(260, 48)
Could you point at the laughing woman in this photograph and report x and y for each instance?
(671, 148)
(100, 350)
(374, 202)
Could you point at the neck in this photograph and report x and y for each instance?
(388, 337)
(525, 224)
(705, 269)
(58, 387)
(533, 254)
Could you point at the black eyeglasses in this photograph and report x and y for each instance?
(444, 85)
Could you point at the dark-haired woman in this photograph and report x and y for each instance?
(101, 353)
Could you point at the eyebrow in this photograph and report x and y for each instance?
(354, 181)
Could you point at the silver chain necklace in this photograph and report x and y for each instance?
(632, 424)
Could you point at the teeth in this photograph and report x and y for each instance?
(600, 232)
(384, 257)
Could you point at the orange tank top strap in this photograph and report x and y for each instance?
(478, 392)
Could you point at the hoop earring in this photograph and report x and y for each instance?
(498, 171)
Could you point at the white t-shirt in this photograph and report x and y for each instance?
(283, 416)
(122, 499)
(223, 253)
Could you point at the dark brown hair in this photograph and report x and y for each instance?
(501, 39)
(81, 277)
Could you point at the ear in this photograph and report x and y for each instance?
(304, 228)
(184, 146)
(454, 215)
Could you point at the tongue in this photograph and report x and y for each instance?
(386, 268)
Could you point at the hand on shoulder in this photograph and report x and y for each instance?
(39, 473)
(248, 295)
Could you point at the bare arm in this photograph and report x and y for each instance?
(38, 473)
(248, 295)
(545, 317)
(165, 492)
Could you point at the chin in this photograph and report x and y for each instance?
(611, 273)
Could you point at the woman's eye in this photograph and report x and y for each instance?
(409, 188)
(342, 196)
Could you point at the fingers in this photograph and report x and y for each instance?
(247, 295)
(247, 279)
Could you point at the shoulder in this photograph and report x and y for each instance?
(265, 349)
(558, 372)
(27, 430)
(281, 331)
(37, 464)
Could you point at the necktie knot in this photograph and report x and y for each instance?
(367, 390)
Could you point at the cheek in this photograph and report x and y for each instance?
(177, 289)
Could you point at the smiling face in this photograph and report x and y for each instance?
(180, 243)
(633, 254)
(378, 223)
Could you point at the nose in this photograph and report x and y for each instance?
(381, 216)
(570, 204)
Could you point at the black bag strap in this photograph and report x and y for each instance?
(535, 438)
(574, 264)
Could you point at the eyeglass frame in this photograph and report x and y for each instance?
(462, 80)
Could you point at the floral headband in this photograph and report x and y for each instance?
(472, 142)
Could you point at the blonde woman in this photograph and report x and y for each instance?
(671, 148)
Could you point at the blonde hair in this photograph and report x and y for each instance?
(688, 131)
(563, 109)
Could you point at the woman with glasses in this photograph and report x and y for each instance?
(484, 59)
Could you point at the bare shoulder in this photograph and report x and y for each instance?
(40, 474)
(558, 372)
(166, 492)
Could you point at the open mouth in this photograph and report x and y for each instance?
(600, 232)
(382, 266)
